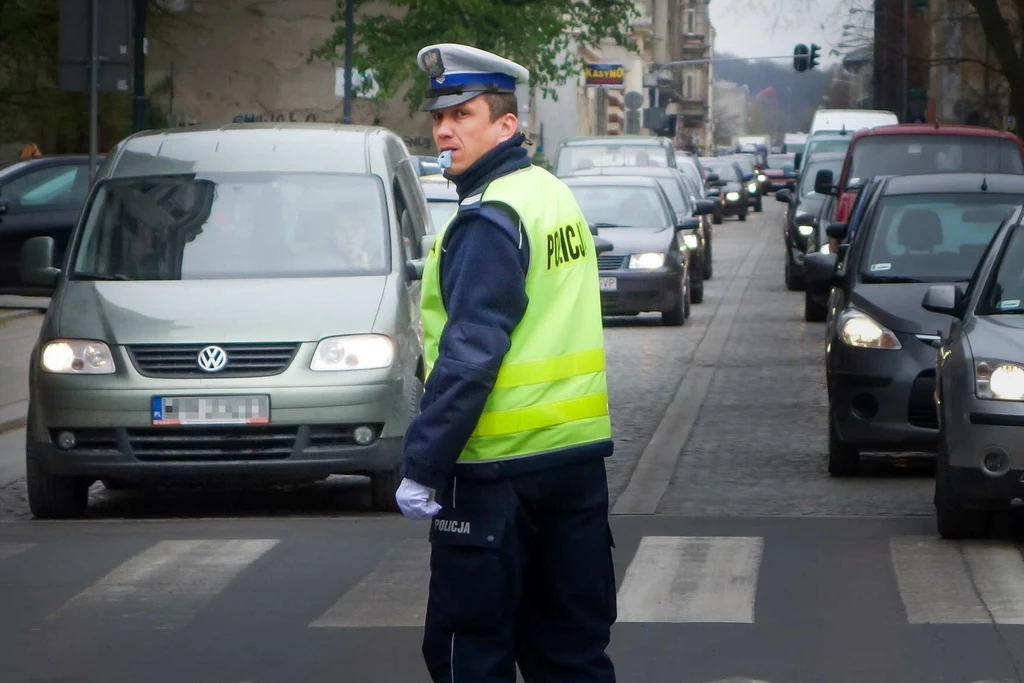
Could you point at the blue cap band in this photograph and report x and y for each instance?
(503, 81)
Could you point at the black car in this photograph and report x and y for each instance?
(879, 359)
(800, 221)
(728, 177)
(41, 196)
(753, 179)
(698, 240)
(648, 268)
(823, 141)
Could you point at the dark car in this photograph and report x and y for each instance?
(803, 204)
(575, 154)
(879, 359)
(824, 141)
(728, 177)
(752, 177)
(648, 267)
(41, 196)
(698, 240)
(979, 389)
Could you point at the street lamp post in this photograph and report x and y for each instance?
(905, 99)
(349, 33)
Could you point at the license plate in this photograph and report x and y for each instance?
(608, 284)
(211, 410)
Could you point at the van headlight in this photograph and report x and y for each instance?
(691, 242)
(999, 381)
(860, 330)
(77, 357)
(355, 352)
(647, 261)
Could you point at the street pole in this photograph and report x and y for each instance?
(94, 78)
(349, 32)
(905, 101)
(139, 78)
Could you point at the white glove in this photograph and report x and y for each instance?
(416, 501)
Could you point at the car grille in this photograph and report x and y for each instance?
(605, 262)
(164, 444)
(921, 409)
(180, 360)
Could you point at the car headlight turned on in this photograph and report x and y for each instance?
(999, 381)
(732, 196)
(354, 352)
(805, 230)
(825, 248)
(860, 330)
(761, 177)
(647, 261)
(690, 240)
(752, 188)
(77, 357)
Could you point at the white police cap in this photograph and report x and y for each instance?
(458, 73)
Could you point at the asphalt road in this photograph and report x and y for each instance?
(738, 558)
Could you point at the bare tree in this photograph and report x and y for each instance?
(727, 125)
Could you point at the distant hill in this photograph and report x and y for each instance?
(798, 93)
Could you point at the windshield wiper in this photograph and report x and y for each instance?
(607, 225)
(101, 276)
(899, 279)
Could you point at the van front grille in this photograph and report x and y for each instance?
(182, 360)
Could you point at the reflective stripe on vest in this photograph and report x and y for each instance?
(551, 390)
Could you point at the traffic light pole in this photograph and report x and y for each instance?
(712, 60)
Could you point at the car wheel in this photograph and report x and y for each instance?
(843, 459)
(952, 519)
(697, 292)
(794, 283)
(743, 216)
(707, 263)
(384, 485)
(717, 220)
(53, 497)
(814, 312)
(679, 312)
(757, 206)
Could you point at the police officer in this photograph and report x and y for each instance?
(507, 454)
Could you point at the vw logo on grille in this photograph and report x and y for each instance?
(212, 359)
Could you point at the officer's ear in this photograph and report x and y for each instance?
(508, 126)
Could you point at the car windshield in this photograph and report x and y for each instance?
(441, 211)
(675, 196)
(807, 184)
(606, 206)
(580, 157)
(234, 225)
(832, 145)
(779, 161)
(794, 147)
(931, 237)
(915, 154)
(746, 163)
(1005, 292)
(726, 172)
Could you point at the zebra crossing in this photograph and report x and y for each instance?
(664, 580)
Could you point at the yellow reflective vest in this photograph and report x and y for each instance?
(551, 391)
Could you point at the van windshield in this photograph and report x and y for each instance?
(917, 154)
(234, 225)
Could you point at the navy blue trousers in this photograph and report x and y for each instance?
(521, 573)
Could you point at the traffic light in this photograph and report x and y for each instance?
(800, 53)
(814, 56)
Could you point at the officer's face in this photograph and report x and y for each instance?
(468, 131)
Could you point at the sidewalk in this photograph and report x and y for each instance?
(18, 331)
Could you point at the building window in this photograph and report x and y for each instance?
(689, 87)
(691, 20)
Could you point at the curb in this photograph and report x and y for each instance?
(13, 416)
(15, 313)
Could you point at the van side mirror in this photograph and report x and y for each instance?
(35, 263)
(823, 182)
(943, 299)
(836, 231)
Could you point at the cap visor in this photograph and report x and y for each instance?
(446, 101)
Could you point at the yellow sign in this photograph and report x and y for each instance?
(604, 75)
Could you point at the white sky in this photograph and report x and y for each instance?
(758, 28)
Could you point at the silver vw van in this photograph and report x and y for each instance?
(235, 302)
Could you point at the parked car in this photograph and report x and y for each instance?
(801, 219)
(879, 358)
(697, 240)
(237, 301)
(731, 182)
(649, 266)
(40, 196)
(822, 142)
(442, 199)
(574, 154)
(979, 388)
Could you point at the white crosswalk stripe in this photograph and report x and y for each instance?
(12, 549)
(679, 579)
(943, 582)
(168, 583)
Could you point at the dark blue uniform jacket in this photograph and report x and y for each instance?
(483, 285)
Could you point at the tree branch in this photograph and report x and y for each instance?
(1000, 39)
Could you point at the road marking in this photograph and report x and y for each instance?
(691, 579)
(659, 459)
(943, 582)
(393, 594)
(169, 582)
(11, 549)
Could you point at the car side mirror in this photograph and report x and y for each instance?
(593, 231)
(823, 182)
(943, 299)
(414, 268)
(804, 218)
(714, 192)
(35, 265)
(688, 223)
(704, 207)
(784, 196)
(712, 178)
(836, 231)
(820, 268)
(427, 243)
